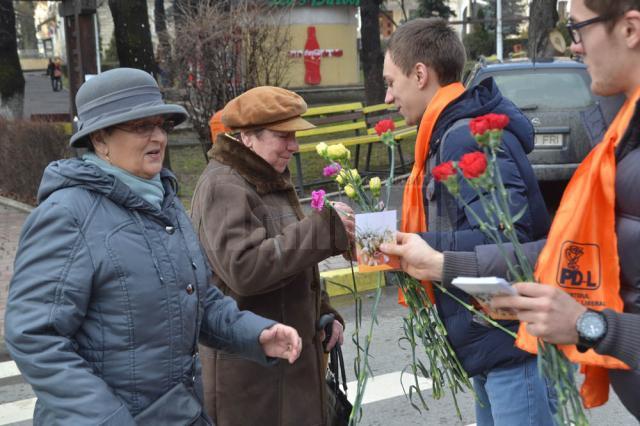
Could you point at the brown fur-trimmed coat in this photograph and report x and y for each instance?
(264, 252)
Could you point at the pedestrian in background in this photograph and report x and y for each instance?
(50, 71)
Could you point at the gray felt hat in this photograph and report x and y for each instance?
(117, 96)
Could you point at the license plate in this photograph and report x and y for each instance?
(549, 139)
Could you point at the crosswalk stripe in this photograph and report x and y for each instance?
(8, 369)
(379, 388)
(17, 411)
(386, 386)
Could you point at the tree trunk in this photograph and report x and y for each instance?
(133, 37)
(371, 53)
(543, 19)
(24, 11)
(159, 16)
(12, 81)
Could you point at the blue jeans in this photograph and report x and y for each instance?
(513, 396)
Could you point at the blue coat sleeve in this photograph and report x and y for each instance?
(468, 233)
(226, 327)
(48, 298)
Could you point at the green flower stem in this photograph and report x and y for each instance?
(392, 169)
(444, 368)
(553, 364)
(523, 261)
(364, 370)
(494, 236)
(475, 311)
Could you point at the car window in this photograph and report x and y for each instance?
(545, 89)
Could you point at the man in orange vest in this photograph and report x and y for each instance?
(422, 67)
(591, 250)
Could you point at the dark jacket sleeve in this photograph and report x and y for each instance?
(48, 299)
(486, 260)
(246, 258)
(622, 340)
(227, 328)
(468, 235)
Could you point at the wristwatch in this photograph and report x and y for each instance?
(591, 327)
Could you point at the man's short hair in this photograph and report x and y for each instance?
(432, 42)
(612, 9)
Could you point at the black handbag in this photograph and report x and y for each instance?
(338, 406)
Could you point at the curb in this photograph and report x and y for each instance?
(16, 204)
(336, 280)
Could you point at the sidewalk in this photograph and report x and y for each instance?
(39, 98)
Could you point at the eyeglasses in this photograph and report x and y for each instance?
(574, 28)
(145, 128)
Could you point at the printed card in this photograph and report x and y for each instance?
(483, 289)
(373, 229)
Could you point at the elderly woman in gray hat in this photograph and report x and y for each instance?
(110, 291)
(265, 252)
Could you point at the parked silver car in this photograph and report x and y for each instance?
(555, 95)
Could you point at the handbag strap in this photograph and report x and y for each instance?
(336, 366)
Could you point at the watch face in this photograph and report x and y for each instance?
(592, 326)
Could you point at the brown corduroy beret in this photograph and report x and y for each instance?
(266, 107)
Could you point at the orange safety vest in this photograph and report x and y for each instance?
(413, 211)
(581, 253)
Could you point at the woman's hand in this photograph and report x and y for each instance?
(417, 258)
(337, 335)
(281, 341)
(347, 217)
(549, 312)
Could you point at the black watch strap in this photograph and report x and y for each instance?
(587, 341)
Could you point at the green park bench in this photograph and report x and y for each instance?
(351, 125)
(375, 113)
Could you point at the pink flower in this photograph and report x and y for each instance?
(317, 200)
(331, 170)
(384, 126)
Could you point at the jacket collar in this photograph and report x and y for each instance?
(231, 152)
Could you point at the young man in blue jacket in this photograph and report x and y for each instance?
(422, 67)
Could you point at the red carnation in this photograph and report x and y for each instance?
(443, 171)
(473, 164)
(479, 125)
(497, 121)
(384, 125)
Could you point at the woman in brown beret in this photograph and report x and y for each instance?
(265, 253)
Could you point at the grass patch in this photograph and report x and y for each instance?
(188, 163)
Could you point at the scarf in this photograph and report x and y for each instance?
(581, 253)
(150, 190)
(413, 210)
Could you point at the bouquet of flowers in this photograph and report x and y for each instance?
(422, 325)
(480, 171)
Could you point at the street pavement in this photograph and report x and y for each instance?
(39, 97)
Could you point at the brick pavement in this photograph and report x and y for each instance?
(11, 221)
